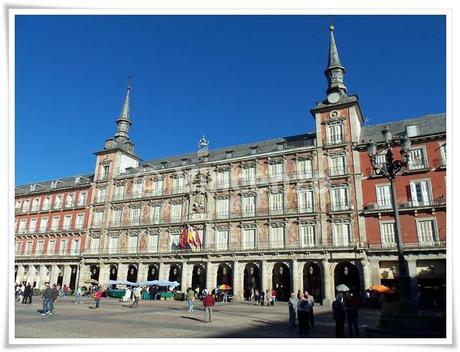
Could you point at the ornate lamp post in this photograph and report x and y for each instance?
(390, 169)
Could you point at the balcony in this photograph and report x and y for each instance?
(423, 203)
(134, 195)
(407, 246)
(337, 171)
(223, 185)
(177, 190)
(340, 207)
(337, 139)
(99, 200)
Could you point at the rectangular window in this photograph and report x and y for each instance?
(116, 217)
(67, 221)
(176, 212)
(178, 184)
(417, 159)
(276, 203)
(58, 202)
(307, 235)
(137, 190)
(384, 197)
(69, 200)
(135, 216)
(222, 239)
(32, 226)
(55, 223)
(75, 247)
(158, 187)
(113, 244)
(223, 208)
(249, 175)
(249, 238)
(276, 237)
(18, 205)
(174, 241)
(18, 247)
(104, 172)
(46, 203)
(43, 225)
(426, 232)
(51, 246)
(340, 199)
(223, 179)
(153, 243)
(341, 234)
(334, 133)
(337, 165)
(420, 193)
(79, 221)
(276, 170)
(22, 226)
(100, 195)
(95, 245)
(249, 205)
(443, 151)
(305, 168)
(40, 245)
(26, 205)
(35, 204)
(305, 201)
(119, 192)
(82, 199)
(63, 249)
(28, 248)
(155, 214)
(387, 234)
(97, 222)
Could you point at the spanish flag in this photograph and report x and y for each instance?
(183, 238)
(191, 236)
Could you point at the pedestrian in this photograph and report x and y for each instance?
(190, 296)
(78, 295)
(30, 292)
(268, 298)
(256, 296)
(208, 302)
(17, 289)
(352, 306)
(311, 303)
(302, 314)
(127, 296)
(338, 314)
(137, 297)
(55, 296)
(26, 293)
(292, 306)
(47, 297)
(98, 297)
(273, 300)
(152, 293)
(21, 292)
(262, 297)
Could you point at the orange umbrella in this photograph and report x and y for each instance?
(381, 289)
(224, 287)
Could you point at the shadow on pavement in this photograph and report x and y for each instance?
(191, 318)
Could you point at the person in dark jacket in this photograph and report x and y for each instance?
(352, 305)
(338, 314)
(47, 297)
(27, 289)
(262, 297)
(208, 302)
(55, 296)
(30, 292)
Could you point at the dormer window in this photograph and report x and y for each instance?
(53, 184)
(412, 131)
(32, 187)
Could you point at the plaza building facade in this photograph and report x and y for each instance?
(286, 214)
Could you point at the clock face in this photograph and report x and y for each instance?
(333, 97)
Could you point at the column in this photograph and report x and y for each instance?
(367, 279)
(296, 276)
(412, 271)
(54, 274)
(374, 266)
(266, 276)
(238, 280)
(329, 292)
(142, 272)
(187, 272)
(211, 276)
(122, 272)
(20, 274)
(104, 274)
(85, 274)
(67, 273)
(163, 273)
(42, 276)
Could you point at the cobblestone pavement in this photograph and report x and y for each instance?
(156, 319)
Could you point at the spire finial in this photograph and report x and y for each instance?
(124, 120)
(335, 71)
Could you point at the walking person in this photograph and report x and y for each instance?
(47, 297)
(208, 302)
(338, 314)
(78, 296)
(273, 300)
(137, 297)
(98, 297)
(25, 296)
(262, 297)
(55, 296)
(30, 293)
(190, 296)
(311, 303)
(302, 313)
(352, 306)
(256, 296)
(292, 306)
(22, 289)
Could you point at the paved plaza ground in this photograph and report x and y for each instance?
(156, 319)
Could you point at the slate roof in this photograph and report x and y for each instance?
(63, 183)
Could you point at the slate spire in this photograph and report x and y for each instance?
(335, 71)
(124, 120)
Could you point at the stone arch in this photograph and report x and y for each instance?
(153, 272)
(175, 274)
(313, 280)
(252, 279)
(281, 281)
(132, 273)
(94, 272)
(225, 275)
(199, 277)
(348, 274)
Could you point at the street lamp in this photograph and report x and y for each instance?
(390, 168)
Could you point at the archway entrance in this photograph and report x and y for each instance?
(175, 275)
(132, 273)
(94, 269)
(251, 280)
(199, 278)
(312, 281)
(60, 277)
(153, 272)
(113, 274)
(73, 277)
(281, 279)
(348, 274)
(225, 276)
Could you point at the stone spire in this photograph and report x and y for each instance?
(335, 71)
(124, 120)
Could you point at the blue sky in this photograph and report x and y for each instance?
(236, 79)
